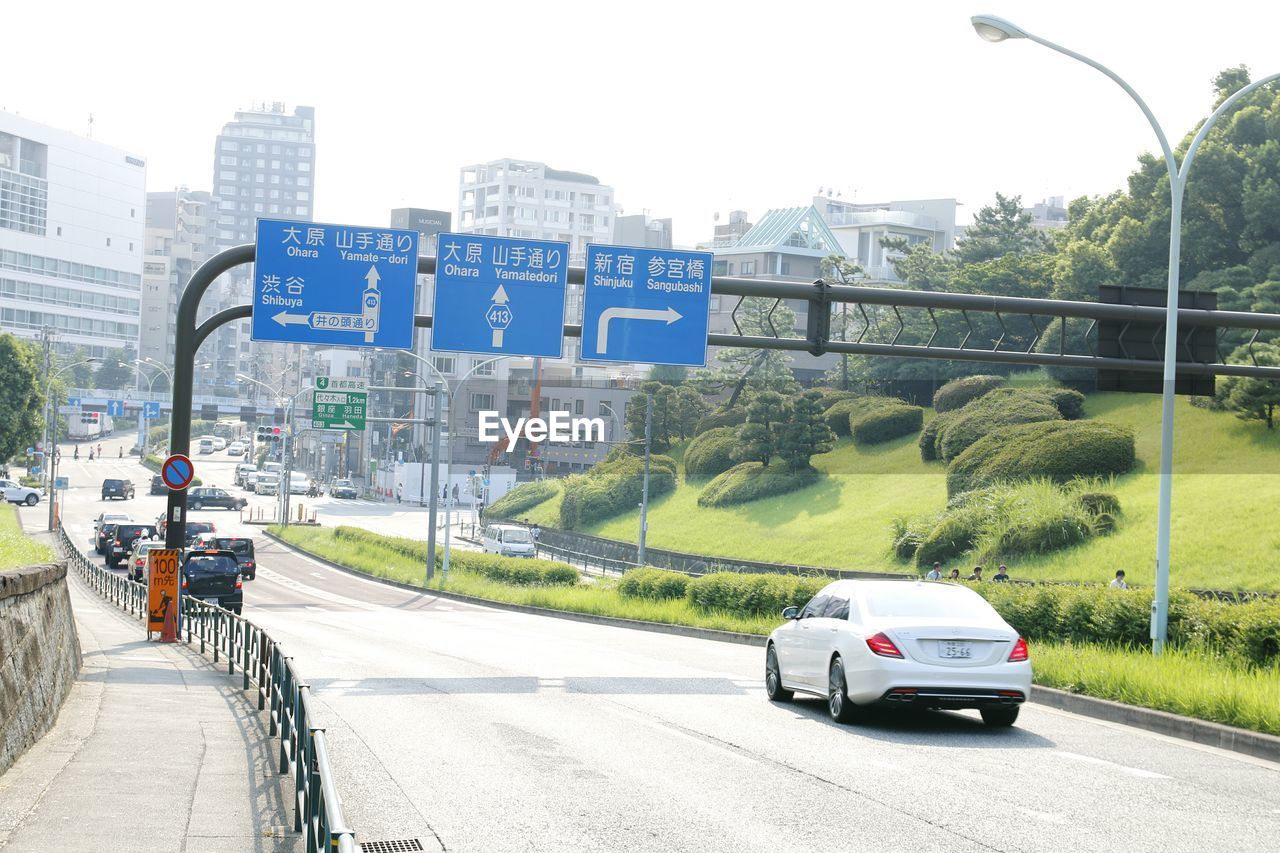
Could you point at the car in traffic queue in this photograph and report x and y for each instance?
(107, 518)
(242, 469)
(158, 486)
(299, 483)
(138, 558)
(241, 546)
(106, 531)
(250, 480)
(235, 448)
(195, 530)
(123, 537)
(267, 484)
(16, 493)
(508, 540)
(211, 497)
(899, 643)
(213, 576)
(115, 488)
(343, 489)
(204, 446)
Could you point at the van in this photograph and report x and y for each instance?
(205, 445)
(267, 484)
(508, 540)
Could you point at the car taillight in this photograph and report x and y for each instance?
(184, 583)
(239, 585)
(1020, 651)
(117, 541)
(248, 564)
(883, 646)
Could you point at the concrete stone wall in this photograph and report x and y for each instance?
(39, 655)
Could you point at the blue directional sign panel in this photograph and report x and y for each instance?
(115, 408)
(646, 305)
(150, 411)
(73, 402)
(499, 295)
(334, 284)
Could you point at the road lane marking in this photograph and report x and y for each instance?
(1102, 762)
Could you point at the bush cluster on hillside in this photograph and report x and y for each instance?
(613, 486)
(517, 571)
(521, 499)
(951, 432)
(885, 422)
(710, 453)
(750, 481)
(957, 392)
(729, 418)
(1057, 450)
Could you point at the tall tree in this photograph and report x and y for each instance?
(1250, 398)
(669, 374)
(687, 408)
(21, 395)
(1000, 229)
(805, 432)
(661, 426)
(114, 373)
(758, 437)
(741, 369)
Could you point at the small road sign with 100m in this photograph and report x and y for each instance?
(339, 402)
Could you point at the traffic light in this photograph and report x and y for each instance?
(262, 433)
(88, 417)
(276, 437)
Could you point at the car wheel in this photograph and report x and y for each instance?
(842, 710)
(32, 500)
(1003, 716)
(773, 679)
(196, 505)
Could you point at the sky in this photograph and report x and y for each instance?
(687, 109)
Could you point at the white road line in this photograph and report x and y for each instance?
(1101, 762)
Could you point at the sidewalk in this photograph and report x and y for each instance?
(155, 749)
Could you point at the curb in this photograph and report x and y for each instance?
(1256, 744)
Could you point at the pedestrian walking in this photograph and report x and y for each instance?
(99, 449)
(455, 491)
(444, 492)
(1002, 574)
(90, 454)
(75, 453)
(1119, 583)
(977, 574)
(935, 574)
(121, 451)
(536, 532)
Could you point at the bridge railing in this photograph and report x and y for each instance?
(270, 673)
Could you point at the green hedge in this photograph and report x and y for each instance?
(710, 453)
(998, 408)
(1068, 402)
(612, 487)
(885, 423)
(521, 499)
(752, 594)
(831, 396)
(653, 584)
(751, 481)
(1058, 450)
(929, 436)
(838, 414)
(958, 392)
(517, 571)
(733, 417)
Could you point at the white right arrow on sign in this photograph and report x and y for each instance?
(670, 315)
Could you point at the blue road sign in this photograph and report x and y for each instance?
(646, 305)
(150, 411)
(60, 483)
(115, 408)
(73, 401)
(334, 284)
(499, 295)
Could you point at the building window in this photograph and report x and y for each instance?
(748, 267)
(304, 167)
(482, 369)
(446, 364)
(579, 406)
(481, 402)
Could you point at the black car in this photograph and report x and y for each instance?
(157, 485)
(213, 575)
(122, 489)
(123, 538)
(343, 489)
(242, 547)
(197, 530)
(207, 497)
(106, 533)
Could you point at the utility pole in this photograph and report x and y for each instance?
(438, 414)
(644, 494)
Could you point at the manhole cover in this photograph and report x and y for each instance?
(399, 845)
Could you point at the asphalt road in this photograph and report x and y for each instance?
(475, 729)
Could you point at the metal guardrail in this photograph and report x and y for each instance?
(270, 673)
(606, 565)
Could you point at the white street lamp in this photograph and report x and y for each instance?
(995, 29)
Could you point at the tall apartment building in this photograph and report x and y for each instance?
(263, 167)
(71, 237)
(861, 226)
(179, 237)
(640, 230)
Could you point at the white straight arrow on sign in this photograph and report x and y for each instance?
(670, 315)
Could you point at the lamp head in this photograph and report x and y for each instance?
(992, 28)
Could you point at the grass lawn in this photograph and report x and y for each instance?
(1181, 681)
(16, 548)
(1226, 502)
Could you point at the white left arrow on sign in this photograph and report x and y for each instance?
(284, 318)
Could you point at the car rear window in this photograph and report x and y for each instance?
(930, 601)
(213, 564)
(112, 482)
(133, 531)
(241, 547)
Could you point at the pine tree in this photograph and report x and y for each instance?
(758, 437)
(805, 432)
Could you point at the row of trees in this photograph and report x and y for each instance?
(791, 428)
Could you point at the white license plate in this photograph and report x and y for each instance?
(953, 649)
(213, 600)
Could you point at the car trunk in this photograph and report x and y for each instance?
(949, 642)
(210, 579)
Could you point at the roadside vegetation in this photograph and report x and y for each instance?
(16, 547)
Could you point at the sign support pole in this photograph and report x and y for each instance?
(438, 414)
(644, 495)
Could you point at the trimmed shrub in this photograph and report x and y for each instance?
(731, 418)
(521, 499)
(999, 408)
(752, 594)
(614, 486)
(958, 392)
(838, 413)
(1068, 402)
(929, 436)
(955, 533)
(831, 396)
(885, 423)
(710, 453)
(1058, 450)
(653, 584)
(751, 481)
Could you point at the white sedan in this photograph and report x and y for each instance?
(17, 494)
(906, 643)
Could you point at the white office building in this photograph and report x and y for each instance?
(72, 214)
(860, 227)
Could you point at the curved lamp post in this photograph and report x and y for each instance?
(995, 29)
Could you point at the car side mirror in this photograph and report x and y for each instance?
(791, 613)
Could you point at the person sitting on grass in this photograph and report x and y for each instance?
(977, 574)
(1119, 583)
(935, 574)
(954, 576)
(1002, 574)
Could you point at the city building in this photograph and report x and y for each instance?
(730, 232)
(640, 230)
(1048, 215)
(860, 228)
(263, 167)
(71, 238)
(179, 238)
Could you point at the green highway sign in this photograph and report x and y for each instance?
(339, 402)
